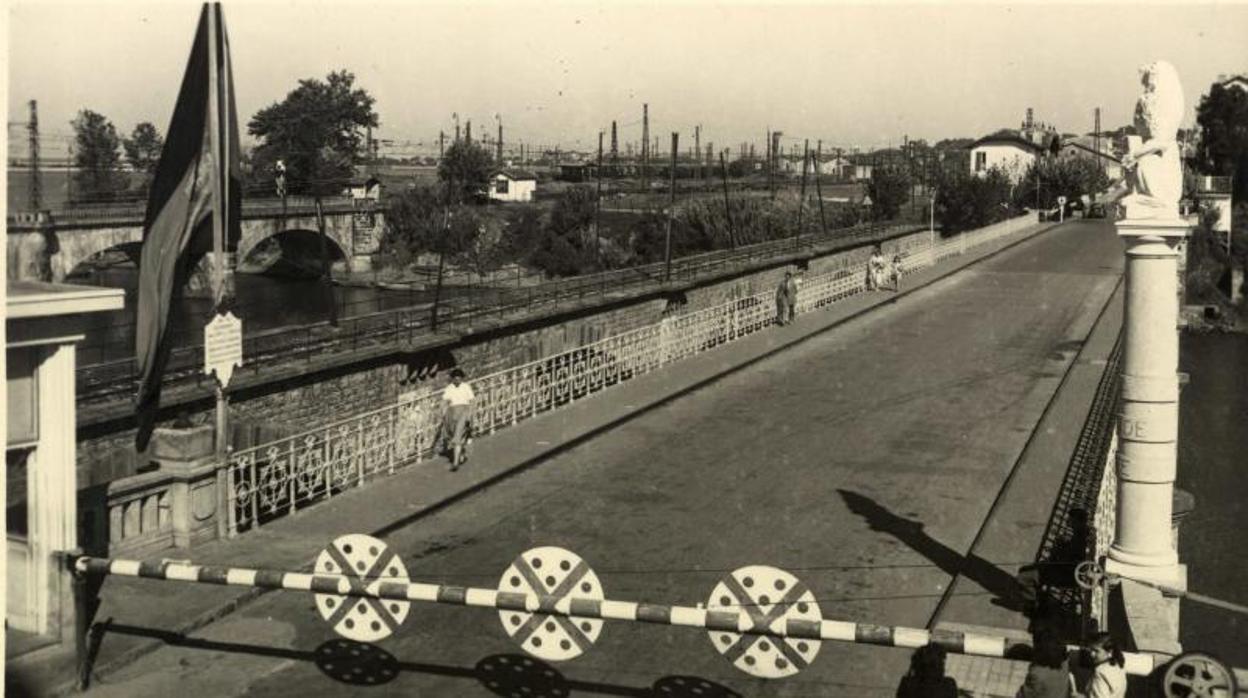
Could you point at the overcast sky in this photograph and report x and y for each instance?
(849, 74)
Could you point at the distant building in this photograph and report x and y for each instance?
(1006, 150)
(512, 185)
(369, 189)
(1085, 147)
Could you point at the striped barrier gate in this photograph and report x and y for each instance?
(764, 620)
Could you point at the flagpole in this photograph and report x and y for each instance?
(219, 209)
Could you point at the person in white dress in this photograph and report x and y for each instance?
(457, 418)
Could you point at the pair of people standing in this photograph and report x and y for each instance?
(786, 299)
(882, 273)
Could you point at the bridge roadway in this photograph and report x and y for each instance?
(863, 461)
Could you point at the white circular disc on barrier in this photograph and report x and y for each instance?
(358, 618)
(558, 574)
(768, 596)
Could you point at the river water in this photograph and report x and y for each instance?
(263, 302)
(1213, 465)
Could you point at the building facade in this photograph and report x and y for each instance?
(512, 185)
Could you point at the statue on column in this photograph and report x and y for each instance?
(1153, 170)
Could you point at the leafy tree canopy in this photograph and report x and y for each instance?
(1222, 117)
(466, 167)
(889, 188)
(97, 157)
(143, 148)
(317, 131)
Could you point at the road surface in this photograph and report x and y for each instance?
(863, 461)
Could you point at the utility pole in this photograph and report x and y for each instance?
(441, 145)
(697, 146)
(645, 146)
(771, 189)
(671, 212)
(615, 144)
(499, 146)
(801, 201)
(723, 171)
(823, 221)
(598, 206)
(468, 132)
(36, 184)
(775, 155)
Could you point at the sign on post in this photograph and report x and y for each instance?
(1061, 208)
(223, 346)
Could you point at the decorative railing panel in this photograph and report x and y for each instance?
(278, 478)
(1105, 518)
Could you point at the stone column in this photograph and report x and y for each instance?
(1149, 422)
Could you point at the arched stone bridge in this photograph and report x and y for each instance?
(39, 245)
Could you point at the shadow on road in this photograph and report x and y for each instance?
(1002, 585)
(364, 664)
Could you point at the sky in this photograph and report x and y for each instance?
(864, 75)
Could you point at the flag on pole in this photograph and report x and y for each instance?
(194, 205)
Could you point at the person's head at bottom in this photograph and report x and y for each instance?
(1103, 648)
(457, 376)
(928, 663)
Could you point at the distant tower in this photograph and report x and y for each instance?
(615, 143)
(499, 156)
(645, 141)
(468, 131)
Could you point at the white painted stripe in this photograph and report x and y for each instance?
(1138, 664)
(983, 645)
(837, 630)
(692, 617)
(297, 581)
(127, 568)
(241, 577)
(182, 573)
(619, 610)
(910, 637)
(481, 597)
(422, 592)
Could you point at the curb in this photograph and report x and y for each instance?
(237, 603)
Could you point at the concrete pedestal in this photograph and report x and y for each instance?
(187, 456)
(1149, 423)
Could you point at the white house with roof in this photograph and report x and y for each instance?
(510, 184)
(1005, 150)
(1086, 147)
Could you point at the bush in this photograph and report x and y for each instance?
(965, 201)
(889, 188)
(1070, 177)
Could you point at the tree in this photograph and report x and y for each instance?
(99, 176)
(317, 132)
(1072, 177)
(466, 167)
(965, 201)
(143, 148)
(1223, 120)
(889, 188)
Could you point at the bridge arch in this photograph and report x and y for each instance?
(294, 252)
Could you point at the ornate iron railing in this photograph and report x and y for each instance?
(276, 479)
(1105, 519)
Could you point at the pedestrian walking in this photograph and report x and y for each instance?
(1048, 675)
(456, 431)
(1109, 674)
(926, 678)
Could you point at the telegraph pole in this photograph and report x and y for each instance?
(598, 206)
(723, 171)
(823, 222)
(615, 144)
(801, 201)
(36, 184)
(770, 188)
(697, 146)
(645, 146)
(499, 146)
(671, 212)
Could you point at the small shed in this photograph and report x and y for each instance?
(512, 185)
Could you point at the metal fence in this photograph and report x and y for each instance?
(278, 478)
(102, 381)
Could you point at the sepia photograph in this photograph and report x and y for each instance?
(702, 349)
